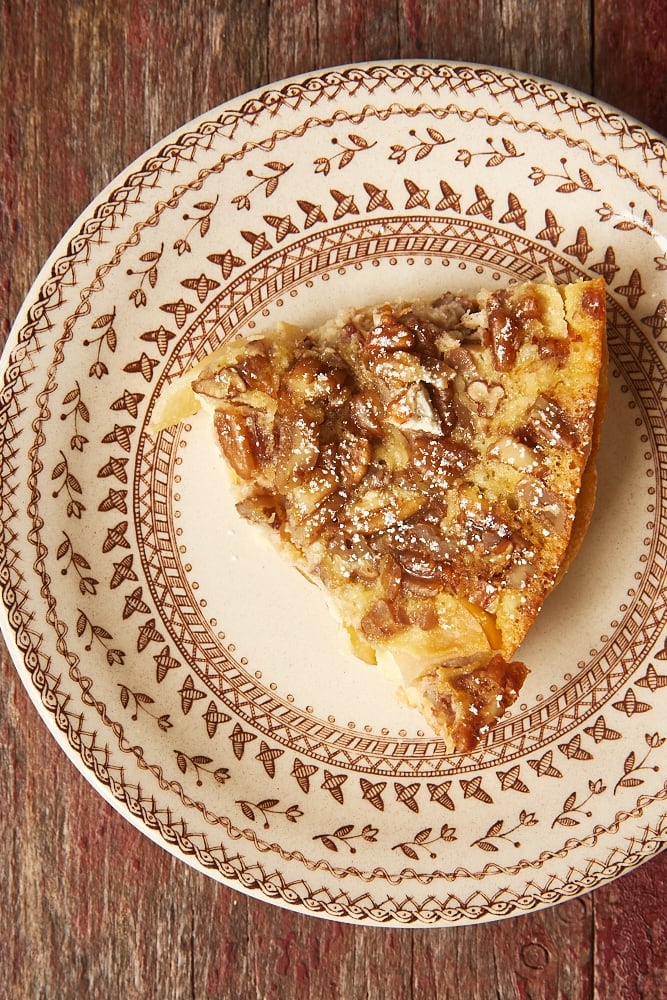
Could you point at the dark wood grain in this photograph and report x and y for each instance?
(630, 941)
(629, 58)
(90, 907)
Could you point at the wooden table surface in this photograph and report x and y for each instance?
(90, 907)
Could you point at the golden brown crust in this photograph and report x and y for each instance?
(430, 466)
(466, 702)
(589, 479)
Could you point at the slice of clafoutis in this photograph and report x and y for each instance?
(429, 465)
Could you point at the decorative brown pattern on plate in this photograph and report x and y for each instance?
(199, 682)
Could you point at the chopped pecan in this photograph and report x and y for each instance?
(396, 367)
(383, 620)
(390, 576)
(548, 424)
(263, 508)
(461, 360)
(311, 379)
(314, 487)
(444, 404)
(352, 458)
(298, 447)
(510, 451)
(240, 439)
(366, 412)
(436, 460)
(544, 503)
(223, 384)
(412, 408)
(258, 372)
(388, 334)
(426, 333)
(422, 613)
(557, 348)
(422, 550)
(377, 509)
(504, 332)
(527, 307)
(486, 397)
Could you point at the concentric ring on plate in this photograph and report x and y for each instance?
(450, 246)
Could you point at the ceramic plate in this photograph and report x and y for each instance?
(196, 680)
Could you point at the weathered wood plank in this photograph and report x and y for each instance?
(631, 934)
(551, 40)
(538, 956)
(631, 58)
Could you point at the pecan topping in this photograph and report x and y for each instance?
(422, 462)
(548, 424)
(504, 332)
(240, 440)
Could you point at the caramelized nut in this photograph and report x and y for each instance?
(390, 576)
(557, 348)
(388, 335)
(311, 380)
(263, 508)
(238, 434)
(527, 307)
(512, 452)
(427, 334)
(223, 384)
(352, 457)
(546, 505)
(593, 303)
(383, 620)
(423, 614)
(379, 509)
(298, 448)
(443, 402)
(396, 367)
(309, 494)
(412, 409)
(548, 424)
(436, 461)
(487, 397)
(504, 333)
(257, 371)
(366, 412)
(461, 360)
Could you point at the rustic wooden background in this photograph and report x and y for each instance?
(88, 906)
